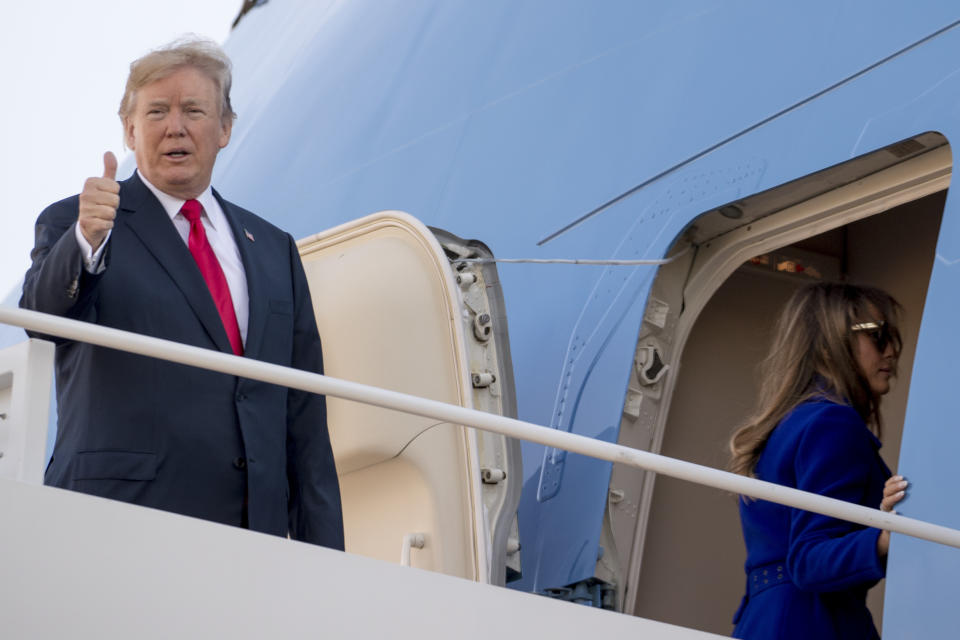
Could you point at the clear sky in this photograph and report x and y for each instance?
(64, 64)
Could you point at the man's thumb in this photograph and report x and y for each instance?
(109, 165)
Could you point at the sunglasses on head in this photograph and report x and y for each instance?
(878, 332)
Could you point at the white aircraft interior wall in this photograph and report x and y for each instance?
(692, 570)
(400, 474)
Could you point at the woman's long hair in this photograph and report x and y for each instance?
(814, 355)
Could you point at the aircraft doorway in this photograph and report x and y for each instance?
(685, 565)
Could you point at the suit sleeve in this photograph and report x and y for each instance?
(315, 513)
(57, 281)
(834, 458)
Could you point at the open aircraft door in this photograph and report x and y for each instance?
(399, 311)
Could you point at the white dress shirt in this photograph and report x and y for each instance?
(219, 236)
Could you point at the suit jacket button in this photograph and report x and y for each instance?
(240, 463)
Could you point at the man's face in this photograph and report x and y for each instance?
(175, 132)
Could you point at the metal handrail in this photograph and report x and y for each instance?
(453, 414)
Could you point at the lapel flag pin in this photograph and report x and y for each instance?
(249, 235)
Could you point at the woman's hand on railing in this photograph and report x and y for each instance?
(894, 490)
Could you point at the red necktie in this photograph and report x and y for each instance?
(212, 272)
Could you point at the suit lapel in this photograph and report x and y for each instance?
(253, 267)
(146, 218)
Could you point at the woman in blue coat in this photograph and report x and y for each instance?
(817, 429)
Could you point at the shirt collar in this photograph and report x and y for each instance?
(172, 204)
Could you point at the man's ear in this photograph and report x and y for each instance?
(128, 133)
(226, 128)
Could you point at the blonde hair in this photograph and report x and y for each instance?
(201, 54)
(814, 355)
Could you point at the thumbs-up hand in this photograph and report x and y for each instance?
(98, 203)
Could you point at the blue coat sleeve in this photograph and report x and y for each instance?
(57, 281)
(315, 513)
(836, 457)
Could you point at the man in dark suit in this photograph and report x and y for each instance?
(164, 255)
